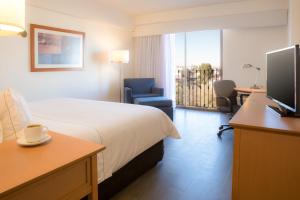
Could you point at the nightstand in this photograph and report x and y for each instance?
(63, 168)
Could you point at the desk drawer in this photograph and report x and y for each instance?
(72, 182)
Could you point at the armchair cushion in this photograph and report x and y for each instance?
(159, 91)
(134, 96)
(140, 85)
(140, 88)
(154, 101)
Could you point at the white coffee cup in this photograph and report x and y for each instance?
(35, 132)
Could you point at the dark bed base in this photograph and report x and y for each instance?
(131, 171)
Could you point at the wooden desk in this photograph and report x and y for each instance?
(64, 168)
(266, 159)
(247, 90)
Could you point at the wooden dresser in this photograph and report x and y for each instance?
(266, 162)
(64, 168)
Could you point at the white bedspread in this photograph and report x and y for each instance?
(125, 129)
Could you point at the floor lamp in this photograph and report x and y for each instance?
(120, 57)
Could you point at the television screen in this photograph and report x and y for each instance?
(281, 68)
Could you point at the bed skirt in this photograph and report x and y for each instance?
(131, 171)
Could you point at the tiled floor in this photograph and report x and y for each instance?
(198, 166)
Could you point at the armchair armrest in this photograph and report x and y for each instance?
(159, 91)
(228, 101)
(127, 95)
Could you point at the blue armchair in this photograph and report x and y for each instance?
(140, 87)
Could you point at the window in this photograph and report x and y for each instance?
(198, 63)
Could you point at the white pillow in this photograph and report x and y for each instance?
(14, 114)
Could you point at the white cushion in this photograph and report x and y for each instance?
(14, 114)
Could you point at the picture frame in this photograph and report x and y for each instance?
(56, 49)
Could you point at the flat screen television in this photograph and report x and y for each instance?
(283, 87)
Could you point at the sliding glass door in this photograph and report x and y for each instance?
(198, 65)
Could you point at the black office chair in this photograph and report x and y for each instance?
(226, 99)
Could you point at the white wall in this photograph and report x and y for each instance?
(93, 10)
(240, 14)
(241, 46)
(294, 22)
(99, 80)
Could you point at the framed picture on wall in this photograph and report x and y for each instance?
(55, 49)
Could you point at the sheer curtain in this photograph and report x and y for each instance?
(154, 57)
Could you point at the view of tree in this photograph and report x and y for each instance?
(194, 85)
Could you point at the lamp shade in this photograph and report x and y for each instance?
(119, 56)
(12, 17)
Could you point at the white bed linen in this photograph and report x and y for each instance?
(125, 129)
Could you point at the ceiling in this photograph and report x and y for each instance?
(139, 7)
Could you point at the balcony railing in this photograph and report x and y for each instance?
(194, 87)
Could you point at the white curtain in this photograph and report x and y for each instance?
(154, 58)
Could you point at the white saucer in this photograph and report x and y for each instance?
(22, 141)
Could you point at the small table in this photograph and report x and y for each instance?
(63, 168)
(246, 91)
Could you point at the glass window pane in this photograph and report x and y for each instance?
(203, 47)
(195, 53)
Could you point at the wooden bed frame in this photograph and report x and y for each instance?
(131, 171)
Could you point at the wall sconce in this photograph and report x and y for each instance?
(120, 57)
(12, 17)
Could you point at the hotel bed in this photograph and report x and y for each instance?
(131, 133)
